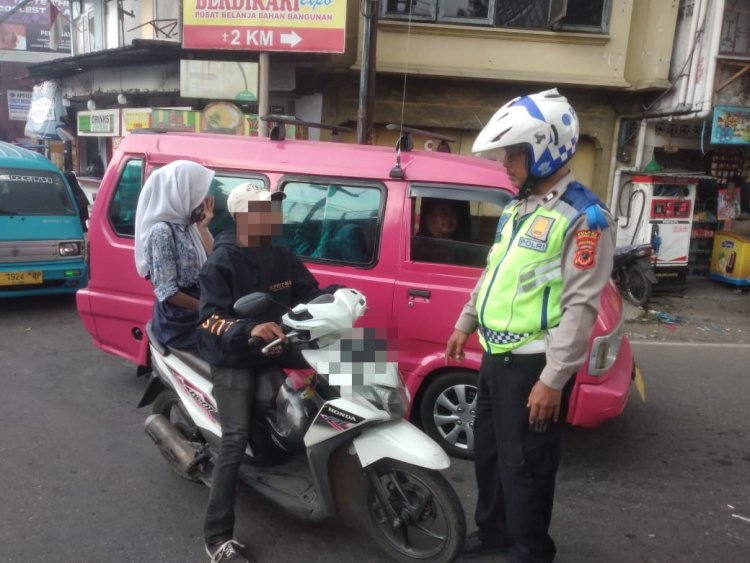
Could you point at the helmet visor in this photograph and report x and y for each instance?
(501, 154)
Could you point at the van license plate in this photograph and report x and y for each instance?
(640, 384)
(21, 278)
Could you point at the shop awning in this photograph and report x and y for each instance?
(151, 51)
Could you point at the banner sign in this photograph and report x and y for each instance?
(46, 112)
(19, 103)
(28, 29)
(731, 126)
(176, 120)
(99, 123)
(305, 26)
(219, 80)
(135, 118)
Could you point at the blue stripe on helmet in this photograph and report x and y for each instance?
(531, 107)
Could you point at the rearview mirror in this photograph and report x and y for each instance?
(252, 305)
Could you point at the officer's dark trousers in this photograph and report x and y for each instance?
(515, 468)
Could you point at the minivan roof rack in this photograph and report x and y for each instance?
(405, 142)
(278, 133)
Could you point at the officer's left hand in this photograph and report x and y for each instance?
(544, 402)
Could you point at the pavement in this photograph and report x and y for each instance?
(708, 311)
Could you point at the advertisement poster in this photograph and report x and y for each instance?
(19, 103)
(46, 112)
(135, 118)
(176, 120)
(304, 26)
(28, 29)
(731, 126)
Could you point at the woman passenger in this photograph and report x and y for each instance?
(172, 242)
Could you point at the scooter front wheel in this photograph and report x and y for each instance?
(412, 513)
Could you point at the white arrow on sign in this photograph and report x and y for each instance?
(290, 39)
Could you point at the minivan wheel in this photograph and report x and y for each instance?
(447, 412)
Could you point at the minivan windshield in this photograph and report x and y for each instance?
(33, 192)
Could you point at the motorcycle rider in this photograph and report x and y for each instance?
(534, 307)
(244, 260)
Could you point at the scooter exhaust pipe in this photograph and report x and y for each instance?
(178, 451)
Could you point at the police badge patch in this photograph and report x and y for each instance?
(540, 228)
(586, 243)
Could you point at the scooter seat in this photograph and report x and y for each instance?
(196, 364)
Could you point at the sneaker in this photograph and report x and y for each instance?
(227, 552)
(475, 545)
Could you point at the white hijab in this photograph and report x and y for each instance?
(170, 195)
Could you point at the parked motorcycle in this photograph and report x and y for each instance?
(321, 437)
(633, 273)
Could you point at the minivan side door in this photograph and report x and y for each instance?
(436, 275)
(346, 233)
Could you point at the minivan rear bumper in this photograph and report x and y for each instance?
(58, 277)
(592, 404)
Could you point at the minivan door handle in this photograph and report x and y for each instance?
(412, 292)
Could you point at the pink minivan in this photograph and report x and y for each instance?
(352, 213)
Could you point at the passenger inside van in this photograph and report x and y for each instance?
(441, 221)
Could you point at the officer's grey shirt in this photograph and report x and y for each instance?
(581, 292)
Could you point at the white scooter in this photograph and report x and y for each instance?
(321, 439)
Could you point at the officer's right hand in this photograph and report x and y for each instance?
(268, 331)
(455, 348)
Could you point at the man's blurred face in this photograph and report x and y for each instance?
(262, 220)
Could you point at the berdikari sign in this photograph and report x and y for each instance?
(309, 26)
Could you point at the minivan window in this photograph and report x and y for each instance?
(454, 230)
(32, 192)
(332, 221)
(125, 199)
(221, 186)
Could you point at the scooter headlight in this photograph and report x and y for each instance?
(393, 401)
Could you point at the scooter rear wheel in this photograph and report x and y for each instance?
(424, 520)
(638, 288)
(168, 404)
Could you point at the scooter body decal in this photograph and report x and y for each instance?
(198, 396)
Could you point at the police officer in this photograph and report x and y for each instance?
(534, 308)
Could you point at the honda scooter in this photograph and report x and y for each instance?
(322, 438)
(633, 273)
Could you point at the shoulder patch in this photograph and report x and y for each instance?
(587, 240)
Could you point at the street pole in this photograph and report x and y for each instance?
(366, 106)
(263, 92)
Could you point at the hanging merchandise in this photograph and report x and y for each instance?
(46, 112)
(725, 164)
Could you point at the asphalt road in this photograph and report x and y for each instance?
(80, 481)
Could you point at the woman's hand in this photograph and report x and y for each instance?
(208, 212)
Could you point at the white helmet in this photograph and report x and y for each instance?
(544, 122)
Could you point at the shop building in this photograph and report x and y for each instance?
(445, 67)
(128, 67)
(695, 135)
(448, 66)
(25, 40)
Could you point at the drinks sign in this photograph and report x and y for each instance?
(100, 123)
